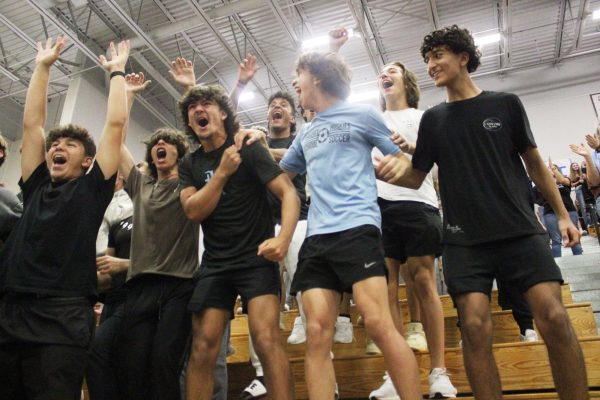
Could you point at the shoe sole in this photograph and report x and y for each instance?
(296, 342)
(248, 396)
(439, 395)
(344, 342)
(384, 398)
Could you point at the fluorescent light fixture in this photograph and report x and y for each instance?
(9, 74)
(323, 41)
(596, 14)
(246, 96)
(363, 96)
(487, 39)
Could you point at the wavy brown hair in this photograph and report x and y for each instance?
(457, 39)
(171, 136)
(72, 131)
(333, 72)
(411, 88)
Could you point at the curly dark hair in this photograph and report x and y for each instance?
(214, 93)
(3, 147)
(287, 97)
(171, 136)
(458, 40)
(333, 72)
(411, 88)
(72, 131)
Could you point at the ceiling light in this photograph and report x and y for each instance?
(596, 14)
(246, 96)
(487, 39)
(363, 96)
(323, 41)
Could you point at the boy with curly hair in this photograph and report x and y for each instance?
(482, 139)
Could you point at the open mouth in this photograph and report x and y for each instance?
(59, 159)
(202, 122)
(387, 84)
(161, 153)
(277, 115)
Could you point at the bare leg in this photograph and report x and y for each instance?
(423, 277)
(566, 358)
(345, 304)
(393, 266)
(263, 322)
(321, 308)
(414, 308)
(476, 331)
(400, 361)
(208, 327)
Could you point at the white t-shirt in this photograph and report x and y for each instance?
(406, 122)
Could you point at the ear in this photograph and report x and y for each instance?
(464, 59)
(223, 115)
(87, 161)
(293, 119)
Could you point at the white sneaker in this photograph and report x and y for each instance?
(343, 330)
(298, 334)
(530, 336)
(386, 391)
(337, 392)
(254, 390)
(440, 385)
(415, 337)
(281, 323)
(371, 348)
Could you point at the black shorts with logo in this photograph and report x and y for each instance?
(219, 287)
(521, 262)
(410, 229)
(338, 260)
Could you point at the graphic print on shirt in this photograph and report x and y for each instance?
(208, 174)
(492, 124)
(335, 133)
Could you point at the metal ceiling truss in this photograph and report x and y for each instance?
(432, 14)
(358, 13)
(504, 10)
(581, 15)
(562, 11)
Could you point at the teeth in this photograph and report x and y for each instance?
(277, 114)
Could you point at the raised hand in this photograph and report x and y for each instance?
(47, 55)
(135, 83)
(247, 69)
(592, 140)
(182, 71)
(579, 149)
(118, 56)
(337, 37)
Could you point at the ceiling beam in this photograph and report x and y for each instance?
(373, 27)
(581, 16)
(192, 22)
(505, 25)
(221, 40)
(432, 14)
(91, 55)
(358, 13)
(562, 11)
(284, 22)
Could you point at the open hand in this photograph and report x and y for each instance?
(118, 56)
(47, 55)
(182, 71)
(248, 68)
(135, 83)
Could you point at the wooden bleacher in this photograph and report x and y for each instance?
(524, 367)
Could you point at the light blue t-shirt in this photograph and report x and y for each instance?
(335, 151)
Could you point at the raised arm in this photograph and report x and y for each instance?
(182, 71)
(199, 204)
(109, 146)
(338, 36)
(134, 83)
(275, 249)
(593, 175)
(34, 114)
(246, 72)
(398, 170)
(545, 183)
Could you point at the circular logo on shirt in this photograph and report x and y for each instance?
(323, 135)
(492, 124)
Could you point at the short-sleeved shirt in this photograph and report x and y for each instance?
(119, 238)
(163, 241)
(242, 220)
(52, 250)
(406, 122)
(484, 186)
(299, 182)
(335, 152)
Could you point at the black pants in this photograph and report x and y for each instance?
(151, 343)
(510, 298)
(101, 371)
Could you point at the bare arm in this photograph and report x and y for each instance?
(134, 83)
(593, 175)
(275, 249)
(338, 36)
(277, 154)
(246, 72)
(108, 154)
(199, 204)
(545, 183)
(34, 114)
(398, 170)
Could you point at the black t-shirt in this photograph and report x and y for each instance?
(242, 219)
(52, 250)
(299, 182)
(119, 238)
(565, 195)
(484, 187)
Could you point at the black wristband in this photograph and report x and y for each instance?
(117, 73)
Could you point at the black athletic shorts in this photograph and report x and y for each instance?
(338, 260)
(219, 287)
(410, 229)
(521, 262)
